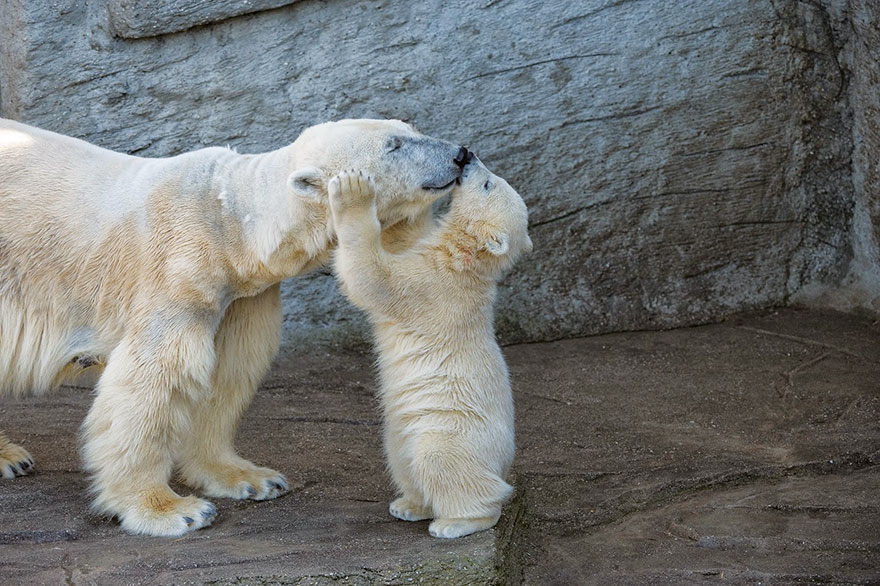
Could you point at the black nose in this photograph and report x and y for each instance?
(463, 157)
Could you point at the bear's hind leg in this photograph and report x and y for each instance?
(246, 343)
(14, 459)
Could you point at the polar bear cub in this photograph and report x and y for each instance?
(445, 392)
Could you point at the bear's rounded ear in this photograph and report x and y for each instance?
(498, 243)
(307, 183)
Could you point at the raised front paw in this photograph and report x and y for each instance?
(14, 460)
(161, 512)
(238, 480)
(351, 189)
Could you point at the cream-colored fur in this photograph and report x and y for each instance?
(445, 395)
(162, 276)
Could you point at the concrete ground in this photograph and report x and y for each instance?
(739, 453)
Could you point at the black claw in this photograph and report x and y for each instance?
(211, 512)
(25, 465)
(189, 520)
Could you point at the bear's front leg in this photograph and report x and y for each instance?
(246, 342)
(14, 459)
(132, 432)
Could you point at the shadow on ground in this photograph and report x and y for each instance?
(739, 453)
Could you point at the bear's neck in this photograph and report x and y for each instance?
(281, 235)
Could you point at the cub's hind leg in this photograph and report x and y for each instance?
(410, 505)
(14, 459)
(465, 495)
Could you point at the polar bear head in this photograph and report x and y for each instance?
(410, 170)
(489, 222)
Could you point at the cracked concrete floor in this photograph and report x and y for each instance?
(739, 453)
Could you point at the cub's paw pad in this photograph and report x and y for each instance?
(15, 461)
(451, 528)
(408, 510)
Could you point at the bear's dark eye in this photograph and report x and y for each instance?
(393, 144)
(488, 185)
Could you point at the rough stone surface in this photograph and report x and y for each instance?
(855, 26)
(742, 453)
(682, 160)
(136, 19)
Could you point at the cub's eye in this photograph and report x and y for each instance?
(488, 185)
(393, 144)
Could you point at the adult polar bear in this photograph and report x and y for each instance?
(165, 273)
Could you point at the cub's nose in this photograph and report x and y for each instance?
(463, 157)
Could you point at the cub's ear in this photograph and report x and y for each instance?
(307, 183)
(497, 243)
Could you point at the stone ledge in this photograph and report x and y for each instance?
(137, 19)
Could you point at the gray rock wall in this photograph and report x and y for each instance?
(865, 97)
(681, 160)
(855, 28)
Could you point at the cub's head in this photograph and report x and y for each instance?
(410, 170)
(489, 222)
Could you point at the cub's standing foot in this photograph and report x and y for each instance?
(163, 513)
(407, 509)
(14, 459)
(449, 528)
(236, 480)
(351, 189)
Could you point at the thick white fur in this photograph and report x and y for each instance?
(164, 273)
(445, 394)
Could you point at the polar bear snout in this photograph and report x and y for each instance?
(463, 157)
(450, 173)
(437, 163)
